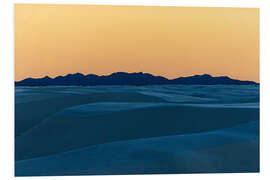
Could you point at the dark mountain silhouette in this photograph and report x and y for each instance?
(123, 78)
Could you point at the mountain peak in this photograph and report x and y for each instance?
(46, 77)
(206, 75)
(135, 78)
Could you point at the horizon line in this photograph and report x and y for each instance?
(130, 73)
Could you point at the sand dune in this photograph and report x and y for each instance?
(136, 129)
(31, 113)
(226, 150)
(67, 130)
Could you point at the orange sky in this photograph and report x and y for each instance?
(169, 41)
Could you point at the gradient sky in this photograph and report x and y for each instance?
(168, 41)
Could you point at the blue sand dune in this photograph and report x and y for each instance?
(226, 150)
(69, 130)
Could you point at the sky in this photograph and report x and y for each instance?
(57, 40)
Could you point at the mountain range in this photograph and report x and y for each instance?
(123, 78)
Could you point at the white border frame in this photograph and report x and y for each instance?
(7, 85)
